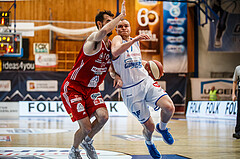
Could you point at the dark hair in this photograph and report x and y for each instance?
(99, 16)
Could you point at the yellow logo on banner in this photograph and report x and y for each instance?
(0, 65)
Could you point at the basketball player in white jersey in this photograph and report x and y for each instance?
(139, 90)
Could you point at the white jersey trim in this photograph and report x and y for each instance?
(65, 94)
(75, 72)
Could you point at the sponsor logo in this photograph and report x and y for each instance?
(137, 137)
(133, 54)
(175, 30)
(42, 108)
(45, 60)
(231, 108)
(99, 71)
(5, 138)
(7, 109)
(80, 107)
(147, 17)
(45, 107)
(176, 21)
(95, 95)
(153, 37)
(76, 99)
(18, 66)
(5, 85)
(103, 57)
(212, 108)
(223, 87)
(93, 82)
(41, 47)
(137, 113)
(97, 99)
(174, 39)
(175, 11)
(53, 153)
(195, 107)
(156, 84)
(31, 131)
(131, 63)
(42, 85)
(175, 48)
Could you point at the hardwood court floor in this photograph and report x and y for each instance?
(194, 137)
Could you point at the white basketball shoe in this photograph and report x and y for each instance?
(90, 150)
(74, 154)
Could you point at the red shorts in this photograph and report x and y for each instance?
(80, 101)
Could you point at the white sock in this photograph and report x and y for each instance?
(163, 125)
(149, 142)
(73, 148)
(87, 138)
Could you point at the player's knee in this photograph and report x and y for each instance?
(169, 107)
(151, 127)
(103, 119)
(87, 129)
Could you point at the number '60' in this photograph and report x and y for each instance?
(149, 17)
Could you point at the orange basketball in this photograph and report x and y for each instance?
(155, 69)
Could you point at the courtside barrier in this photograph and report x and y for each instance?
(56, 108)
(212, 109)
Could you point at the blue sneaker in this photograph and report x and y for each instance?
(167, 137)
(153, 151)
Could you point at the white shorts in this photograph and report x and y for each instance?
(140, 96)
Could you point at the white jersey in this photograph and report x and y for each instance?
(236, 75)
(129, 66)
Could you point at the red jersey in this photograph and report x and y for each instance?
(90, 70)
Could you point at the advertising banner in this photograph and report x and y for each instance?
(175, 37)
(201, 87)
(56, 108)
(31, 86)
(5, 85)
(41, 48)
(212, 109)
(9, 110)
(44, 86)
(18, 65)
(224, 34)
(148, 23)
(175, 85)
(45, 60)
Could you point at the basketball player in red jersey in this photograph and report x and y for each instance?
(80, 90)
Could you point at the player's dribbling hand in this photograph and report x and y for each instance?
(117, 82)
(123, 9)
